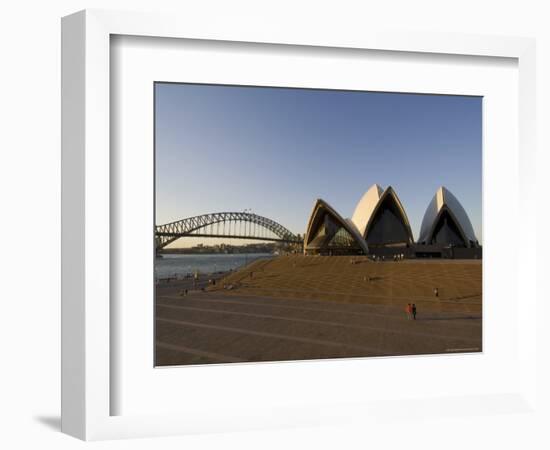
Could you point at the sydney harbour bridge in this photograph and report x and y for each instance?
(234, 225)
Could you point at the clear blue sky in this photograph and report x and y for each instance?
(276, 150)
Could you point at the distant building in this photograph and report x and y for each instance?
(380, 226)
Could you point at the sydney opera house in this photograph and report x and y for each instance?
(379, 226)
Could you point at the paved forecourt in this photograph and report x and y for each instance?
(251, 315)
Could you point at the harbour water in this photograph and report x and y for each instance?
(173, 265)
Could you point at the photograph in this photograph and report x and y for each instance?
(298, 224)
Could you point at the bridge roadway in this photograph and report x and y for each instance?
(234, 225)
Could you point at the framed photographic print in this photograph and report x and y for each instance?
(264, 228)
(234, 284)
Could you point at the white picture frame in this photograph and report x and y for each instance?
(87, 326)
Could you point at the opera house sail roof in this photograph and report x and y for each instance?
(446, 222)
(381, 219)
(380, 225)
(327, 231)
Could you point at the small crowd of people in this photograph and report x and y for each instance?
(411, 311)
(396, 257)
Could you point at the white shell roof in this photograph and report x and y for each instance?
(365, 207)
(347, 224)
(444, 197)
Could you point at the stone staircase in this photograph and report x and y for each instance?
(360, 280)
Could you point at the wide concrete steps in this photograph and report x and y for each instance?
(337, 279)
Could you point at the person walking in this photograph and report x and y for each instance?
(436, 292)
(414, 311)
(408, 310)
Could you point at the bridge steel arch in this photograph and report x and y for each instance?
(191, 226)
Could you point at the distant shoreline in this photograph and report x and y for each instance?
(181, 265)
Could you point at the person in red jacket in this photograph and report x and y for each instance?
(408, 310)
